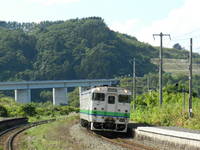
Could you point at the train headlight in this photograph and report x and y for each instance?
(125, 91)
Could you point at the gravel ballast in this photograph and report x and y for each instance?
(91, 142)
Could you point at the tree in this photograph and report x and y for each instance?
(74, 98)
(73, 49)
(3, 111)
(178, 46)
(28, 110)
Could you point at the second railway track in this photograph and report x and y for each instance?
(8, 136)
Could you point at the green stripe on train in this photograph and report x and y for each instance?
(116, 114)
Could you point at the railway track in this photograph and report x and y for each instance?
(8, 136)
(121, 140)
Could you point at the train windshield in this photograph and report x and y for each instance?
(98, 96)
(124, 98)
(111, 99)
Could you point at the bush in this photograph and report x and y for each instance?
(74, 98)
(171, 113)
(28, 110)
(3, 111)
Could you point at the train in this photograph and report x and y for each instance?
(105, 108)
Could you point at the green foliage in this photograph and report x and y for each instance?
(168, 115)
(46, 96)
(48, 136)
(171, 113)
(73, 49)
(28, 110)
(177, 46)
(74, 98)
(35, 111)
(3, 111)
(172, 83)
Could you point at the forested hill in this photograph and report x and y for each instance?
(73, 49)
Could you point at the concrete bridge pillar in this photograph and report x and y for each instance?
(23, 96)
(60, 96)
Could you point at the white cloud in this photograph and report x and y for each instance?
(52, 2)
(127, 27)
(178, 22)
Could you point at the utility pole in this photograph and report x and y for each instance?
(161, 63)
(190, 80)
(183, 98)
(134, 85)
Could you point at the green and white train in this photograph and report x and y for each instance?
(105, 109)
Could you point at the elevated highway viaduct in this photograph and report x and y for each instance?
(23, 89)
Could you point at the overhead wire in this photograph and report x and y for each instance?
(184, 39)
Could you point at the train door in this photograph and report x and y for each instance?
(111, 104)
(110, 112)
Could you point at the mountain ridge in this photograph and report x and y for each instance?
(74, 49)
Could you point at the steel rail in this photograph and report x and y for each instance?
(123, 142)
(10, 141)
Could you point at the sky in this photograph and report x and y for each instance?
(138, 18)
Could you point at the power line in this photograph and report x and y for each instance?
(183, 40)
(188, 35)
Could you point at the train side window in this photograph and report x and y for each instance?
(124, 99)
(111, 99)
(98, 96)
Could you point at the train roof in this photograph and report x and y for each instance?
(109, 89)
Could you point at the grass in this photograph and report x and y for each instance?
(52, 136)
(168, 115)
(171, 113)
(39, 118)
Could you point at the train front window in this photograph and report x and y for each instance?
(98, 96)
(111, 99)
(124, 99)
